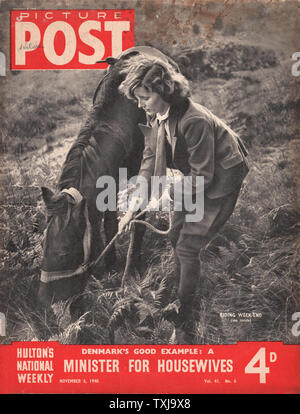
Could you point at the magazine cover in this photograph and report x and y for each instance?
(149, 208)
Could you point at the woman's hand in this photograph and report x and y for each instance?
(124, 223)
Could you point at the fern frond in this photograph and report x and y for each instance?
(70, 334)
(172, 307)
(160, 291)
(145, 310)
(120, 307)
(173, 339)
(147, 281)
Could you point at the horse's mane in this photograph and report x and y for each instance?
(78, 156)
(83, 149)
(98, 123)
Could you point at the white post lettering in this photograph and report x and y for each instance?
(116, 28)
(21, 46)
(70, 43)
(92, 41)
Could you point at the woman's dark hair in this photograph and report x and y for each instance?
(154, 75)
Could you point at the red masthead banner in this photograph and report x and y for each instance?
(68, 39)
(247, 367)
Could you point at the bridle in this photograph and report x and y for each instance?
(51, 276)
(87, 264)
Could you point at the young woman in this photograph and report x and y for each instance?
(186, 136)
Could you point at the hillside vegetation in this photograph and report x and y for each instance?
(251, 266)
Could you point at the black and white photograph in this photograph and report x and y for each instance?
(154, 198)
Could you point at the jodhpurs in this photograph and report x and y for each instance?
(188, 239)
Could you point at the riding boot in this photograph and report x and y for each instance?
(189, 276)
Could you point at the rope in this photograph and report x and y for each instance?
(150, 226)
(145, 223)
(162, 232)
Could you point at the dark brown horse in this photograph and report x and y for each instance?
(110, 139)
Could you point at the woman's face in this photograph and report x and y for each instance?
(151, 102)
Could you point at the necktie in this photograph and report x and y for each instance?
(160, 159)
(162, 128)
(163, 123)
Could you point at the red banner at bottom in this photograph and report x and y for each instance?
(244, 368)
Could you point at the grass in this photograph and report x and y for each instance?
(251, 266)
(35, 114)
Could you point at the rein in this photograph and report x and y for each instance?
(145, 223)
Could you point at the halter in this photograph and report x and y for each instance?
(46, 276)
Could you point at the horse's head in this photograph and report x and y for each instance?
(116, 66)
(66, 245)
(140, 50)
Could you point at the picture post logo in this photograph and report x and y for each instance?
(68, 39)
(2, 324)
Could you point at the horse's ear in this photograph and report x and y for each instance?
(47, 194)
(110, 60)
